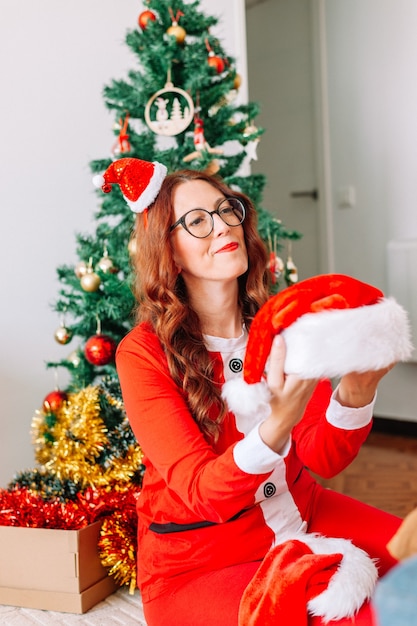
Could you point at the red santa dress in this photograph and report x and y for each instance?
(210, 511)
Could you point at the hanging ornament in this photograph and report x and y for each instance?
(175, 30)
(105, 264)
(225, 100)
(74, 358)
(80, 269)
(249, 130)
(144, 18)
(122, 144)
(100, 349)
(132, 246)
(90, 281)
(201, 144)
(276, 267)
(251, 144)
(291, 271)
(237, 82)
(170, 110)
(63, 335)
(54, 401)
(213, 60)
(275, 263)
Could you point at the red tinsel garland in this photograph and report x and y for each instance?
(23, 507)
(117, 509)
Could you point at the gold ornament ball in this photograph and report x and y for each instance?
(90, 281)
(63, 335)
(237, 81)
(80, 269)
(178, 32)
(106, 265)
(132, 246)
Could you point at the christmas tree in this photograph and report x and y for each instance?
(179, 107)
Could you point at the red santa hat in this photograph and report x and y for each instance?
(140, 181)
(308, 574)
(332, 325)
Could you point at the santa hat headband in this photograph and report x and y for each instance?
(332, 325)
(139, 181)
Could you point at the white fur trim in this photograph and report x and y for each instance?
(338, 341)
(249, 402)
(149, 194)
(351, 585)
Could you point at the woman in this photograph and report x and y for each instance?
(216, 498)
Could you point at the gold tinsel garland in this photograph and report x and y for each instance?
(69, 443)
(117, 548)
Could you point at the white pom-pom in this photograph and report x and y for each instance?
(98, 180)
(247, 402)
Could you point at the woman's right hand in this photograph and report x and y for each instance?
(290, 396)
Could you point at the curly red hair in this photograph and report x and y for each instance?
(163, 301)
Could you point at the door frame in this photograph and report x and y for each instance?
(322, 140)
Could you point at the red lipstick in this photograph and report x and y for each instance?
(229, 247)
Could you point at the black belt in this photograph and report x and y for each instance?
(172, 527)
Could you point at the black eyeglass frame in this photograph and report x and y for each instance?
(181, 220)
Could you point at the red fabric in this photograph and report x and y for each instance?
(324, 448)
(327, 291)
(133, 176)
(185, 474)
(208, 600)
(290, 575)
(212, 599)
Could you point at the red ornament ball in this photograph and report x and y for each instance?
(216, 62)
(144, 18)
(100, 350)
(54, 401)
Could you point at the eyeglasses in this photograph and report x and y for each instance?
(200, 223)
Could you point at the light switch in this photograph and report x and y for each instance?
(346, 197)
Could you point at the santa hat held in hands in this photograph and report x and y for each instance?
(332, 325)
(140, 181)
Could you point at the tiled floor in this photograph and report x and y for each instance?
(119, 609)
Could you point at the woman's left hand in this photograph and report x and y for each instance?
(358, 389)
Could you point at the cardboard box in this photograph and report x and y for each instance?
(56, 570)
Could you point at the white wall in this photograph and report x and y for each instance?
(372, 49)
(371, 52)
(55, 59)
